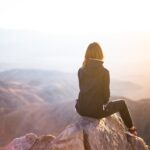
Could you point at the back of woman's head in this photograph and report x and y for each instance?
(94, 51)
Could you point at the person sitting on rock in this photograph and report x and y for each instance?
(94, 94)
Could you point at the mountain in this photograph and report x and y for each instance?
(14, 94)
(84, 134)
(38, 118)
(50, 82)
(49, 96)
(140, 112)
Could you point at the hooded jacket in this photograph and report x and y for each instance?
(94, 88)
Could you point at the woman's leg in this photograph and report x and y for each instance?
(121, 107)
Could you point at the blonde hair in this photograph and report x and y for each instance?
(93, 51)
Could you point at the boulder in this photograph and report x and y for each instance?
(84, 134)
(92, 134)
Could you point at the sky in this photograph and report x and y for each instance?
(56, 33)
(75, 16)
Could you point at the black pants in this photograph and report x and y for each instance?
(121, 107)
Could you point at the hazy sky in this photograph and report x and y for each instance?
(54, 34)
(121, 26)
(75, 16)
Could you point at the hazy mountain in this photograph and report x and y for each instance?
(64, 84)
(47, 83)
(40, 119)
(140, 111)
(43, 101)
(14, 94)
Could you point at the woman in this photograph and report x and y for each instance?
(93, 98)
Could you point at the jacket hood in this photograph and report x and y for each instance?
(93, 67)
(94, 63)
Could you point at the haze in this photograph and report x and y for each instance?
(54, 35)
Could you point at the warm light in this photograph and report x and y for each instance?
(75, 17)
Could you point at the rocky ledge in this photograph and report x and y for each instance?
(85, 134)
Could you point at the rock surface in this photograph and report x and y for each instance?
(92, 134)
(22, 143)
(84, 134)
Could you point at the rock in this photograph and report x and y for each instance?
(42, 143)
(92, 134)
(22, 143)
(31, 142)
(85, 134)
(139, 142)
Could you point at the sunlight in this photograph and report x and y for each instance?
(75, 17)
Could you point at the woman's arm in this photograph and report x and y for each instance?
(79, 78)
(106, 86)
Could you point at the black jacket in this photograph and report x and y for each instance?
(94, 88)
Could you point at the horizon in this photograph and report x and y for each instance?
(30, 49)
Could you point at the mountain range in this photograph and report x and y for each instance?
(42, 102)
